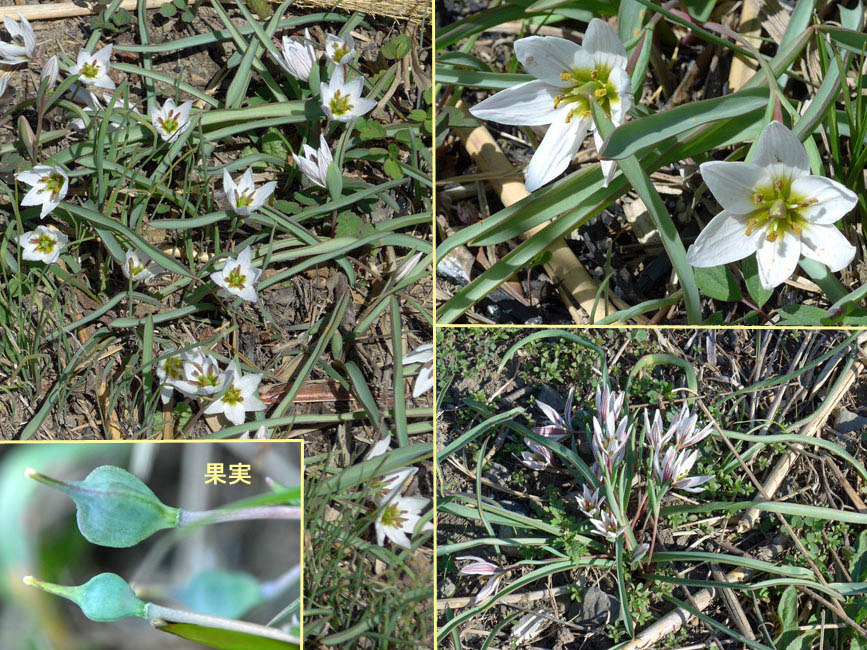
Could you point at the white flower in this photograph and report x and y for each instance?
(42, 244)
(202, 374)
(241, 396)
(674, 468)
(299, 57)
(590, 502)
(4, 83)
(538, 457)
(606, 525)
(314, 163)
(243, 196)
(48, 187)
(566, 76)
(482, 567)
(341, 100)
(139, 267)
(238, 277)
(424, 379)
(383, 487)
(561, 425)
(170, 372)
(171, 120)
(94, 68)
(773, 207)
(398, 517)
(20, 50)
(339, 50)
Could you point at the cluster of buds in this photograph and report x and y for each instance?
(397, 514)
(197, 374)
(611, 432)
(672, 461)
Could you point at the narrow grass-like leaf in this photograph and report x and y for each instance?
(631, 137)
(662, 220)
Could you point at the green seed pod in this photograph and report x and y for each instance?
(104, 598)
(114, 507)
(227, 594)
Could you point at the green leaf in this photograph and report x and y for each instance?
(168, 10)
(700, 9)
(633, 136)
(717, 282)
(114, 508)
(392, 168)
(349, 225)
(334, 180)
(274, 144)
(754, 286)
(788, 609)
(397, 48)
(224, 639)
(802, 315)
(858, 566)
(370, 129)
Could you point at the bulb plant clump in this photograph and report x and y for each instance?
(195, 200)
(662, 465)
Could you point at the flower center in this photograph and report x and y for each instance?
(778, 210)
(208, 380)
(243, 199)
(52, 184)
(340, 51)
(392, 516)
(135, 269)
(340, 104)
(90, 70)
(233, 396)
(236, 279)
(174, 368)
(44, 243)
(583, 84)
(170, 122)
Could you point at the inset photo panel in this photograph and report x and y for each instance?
(138, 546)
(650, 488)
(640, 163)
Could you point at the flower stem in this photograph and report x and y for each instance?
(189, 517)
(169, 615)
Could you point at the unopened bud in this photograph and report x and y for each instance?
(25, 134)
(49, 73)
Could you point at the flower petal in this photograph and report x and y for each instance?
(547, 57)
(558, 146)
(779, 144)
(600, 37)
(834, 200)
(621, 105)
(723, 240)
(778, 259)
(827, 245)
(732, 183)
(527, 104)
